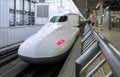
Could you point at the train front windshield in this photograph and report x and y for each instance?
(58, 19)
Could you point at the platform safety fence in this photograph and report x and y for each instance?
(99, 58)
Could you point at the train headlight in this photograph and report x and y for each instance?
(60, 42)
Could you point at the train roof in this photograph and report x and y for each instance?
(62, 14)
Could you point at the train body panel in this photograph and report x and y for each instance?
(52, 41)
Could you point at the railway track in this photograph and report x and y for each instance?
(41, 70)
(10, 64)
(8, 54)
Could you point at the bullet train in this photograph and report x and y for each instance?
(52, 42)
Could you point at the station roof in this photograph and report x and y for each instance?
(86, 6)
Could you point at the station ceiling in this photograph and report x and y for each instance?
(86, 6)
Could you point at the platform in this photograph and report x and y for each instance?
(68, 70)
(112, 35)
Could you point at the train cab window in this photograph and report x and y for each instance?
(63, 19)
(52, 19)
(58, 19)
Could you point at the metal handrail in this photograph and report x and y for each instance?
(111, 54)
(86, 57)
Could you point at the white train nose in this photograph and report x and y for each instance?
(26, 50)
(35, 54)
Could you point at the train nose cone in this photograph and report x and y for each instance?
(34, 53)
(27, 48)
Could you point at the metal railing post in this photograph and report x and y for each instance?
(87, 56)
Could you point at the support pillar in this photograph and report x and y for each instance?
(107, 19)
(101, 13)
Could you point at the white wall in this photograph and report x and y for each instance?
(4, 13)
(14, 35)
(53, 10)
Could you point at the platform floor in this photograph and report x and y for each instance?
(68, 70)
(112, 35)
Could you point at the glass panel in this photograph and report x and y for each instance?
(18, 19)
(42, 11)
(63, 19)
(11, 19)
(11, 2)
(52, 19)
(32, 7)
(39, 11)
(26, 5)
(26, 19)
(26, 13)
(11, 14)
(19, 4)
(19, 9)
(45, 11)
(58, 19)
(32, 16)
